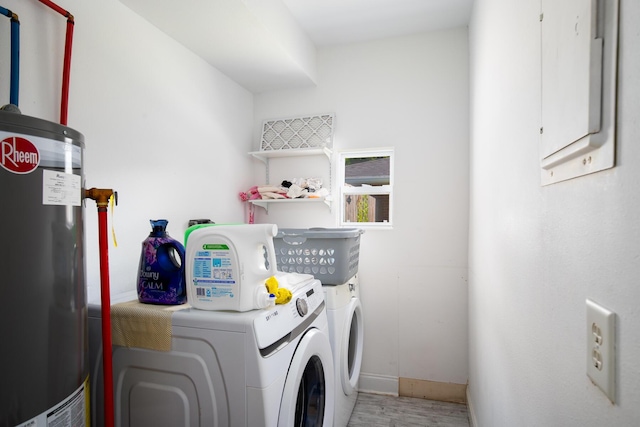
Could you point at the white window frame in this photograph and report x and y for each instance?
(345, 190)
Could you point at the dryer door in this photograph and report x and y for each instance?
(308, 395)
(351, 347)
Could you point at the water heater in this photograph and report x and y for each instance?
(44, 367)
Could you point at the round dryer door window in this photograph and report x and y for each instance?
(308, 395)
(351, 357)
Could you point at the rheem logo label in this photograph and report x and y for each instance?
(19, 155)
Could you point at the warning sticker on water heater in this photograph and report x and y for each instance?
(71, 412)
(59, 188)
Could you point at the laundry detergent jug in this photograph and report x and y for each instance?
(228, 265)
(161, 270)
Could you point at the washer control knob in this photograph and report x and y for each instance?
(302, 307)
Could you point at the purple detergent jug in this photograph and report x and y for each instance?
(161, 269)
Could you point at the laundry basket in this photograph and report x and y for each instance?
(331, 255)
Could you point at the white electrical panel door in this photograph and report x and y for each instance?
(571, 72)
(578, 54)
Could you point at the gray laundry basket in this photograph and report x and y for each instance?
(331, 255)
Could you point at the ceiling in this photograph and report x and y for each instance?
(331, 22)
(271, 44)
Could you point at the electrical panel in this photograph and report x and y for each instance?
(578, 87)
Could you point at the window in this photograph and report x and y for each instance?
(366, 186)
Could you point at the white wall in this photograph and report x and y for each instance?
(164, 129)
(536, 253)
(410, 93)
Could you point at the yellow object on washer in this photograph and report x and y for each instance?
(283, 295)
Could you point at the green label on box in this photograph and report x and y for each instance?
(215, 247)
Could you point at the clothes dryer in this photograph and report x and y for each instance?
(344, 312)
(270, 367)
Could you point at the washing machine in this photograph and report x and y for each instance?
(344, 312)
(270, 367)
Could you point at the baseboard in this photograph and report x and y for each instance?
(432, 390)
(378, 384)
(394, 386)
(470, 410)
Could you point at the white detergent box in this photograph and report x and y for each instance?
(227, 266)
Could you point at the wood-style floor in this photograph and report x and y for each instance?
(373, 410)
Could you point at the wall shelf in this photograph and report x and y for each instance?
(264, 203)
(265, 155)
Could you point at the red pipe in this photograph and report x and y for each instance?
(107, 365)
(102, 196)
(66, 70)
(55, 7)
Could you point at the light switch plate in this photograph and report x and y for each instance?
(601, 348)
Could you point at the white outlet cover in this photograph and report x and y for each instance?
(601, 348)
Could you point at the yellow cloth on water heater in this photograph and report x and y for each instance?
(283, 295)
